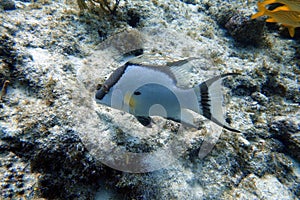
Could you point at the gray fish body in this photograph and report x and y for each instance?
(146, 91)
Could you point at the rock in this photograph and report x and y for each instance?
(8, 4)
(17, 181)
(244, 30)
(7, 49)
(266, 187)
(261, 98)
(287, 131)
(133, 18)
(54, 57)
(193, 2)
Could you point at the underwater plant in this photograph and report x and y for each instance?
(286, 14)
(4, 89)
(107, 6)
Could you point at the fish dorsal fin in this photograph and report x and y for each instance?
(148, 60)
(153, 62)
(182, 71)
(129, 56)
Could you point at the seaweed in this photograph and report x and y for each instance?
(104, 5)
(4, 90)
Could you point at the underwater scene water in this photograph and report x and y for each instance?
(174, 99)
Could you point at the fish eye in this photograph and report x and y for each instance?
(137, 93)
(98, 86)
(105, 88)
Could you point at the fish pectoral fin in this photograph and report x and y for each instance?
(291, 31)
(181, 69)
(145, 121)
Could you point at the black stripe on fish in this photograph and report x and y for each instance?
(206, 100)
(111, 81)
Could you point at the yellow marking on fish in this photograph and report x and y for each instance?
(128, 100)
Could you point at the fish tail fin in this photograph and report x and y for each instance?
(211, 100)
(261, 10)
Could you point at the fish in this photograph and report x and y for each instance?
(293, 5)
(282, 15)
(146, 90)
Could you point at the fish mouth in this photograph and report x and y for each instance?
(98, 101)
(100, 93)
